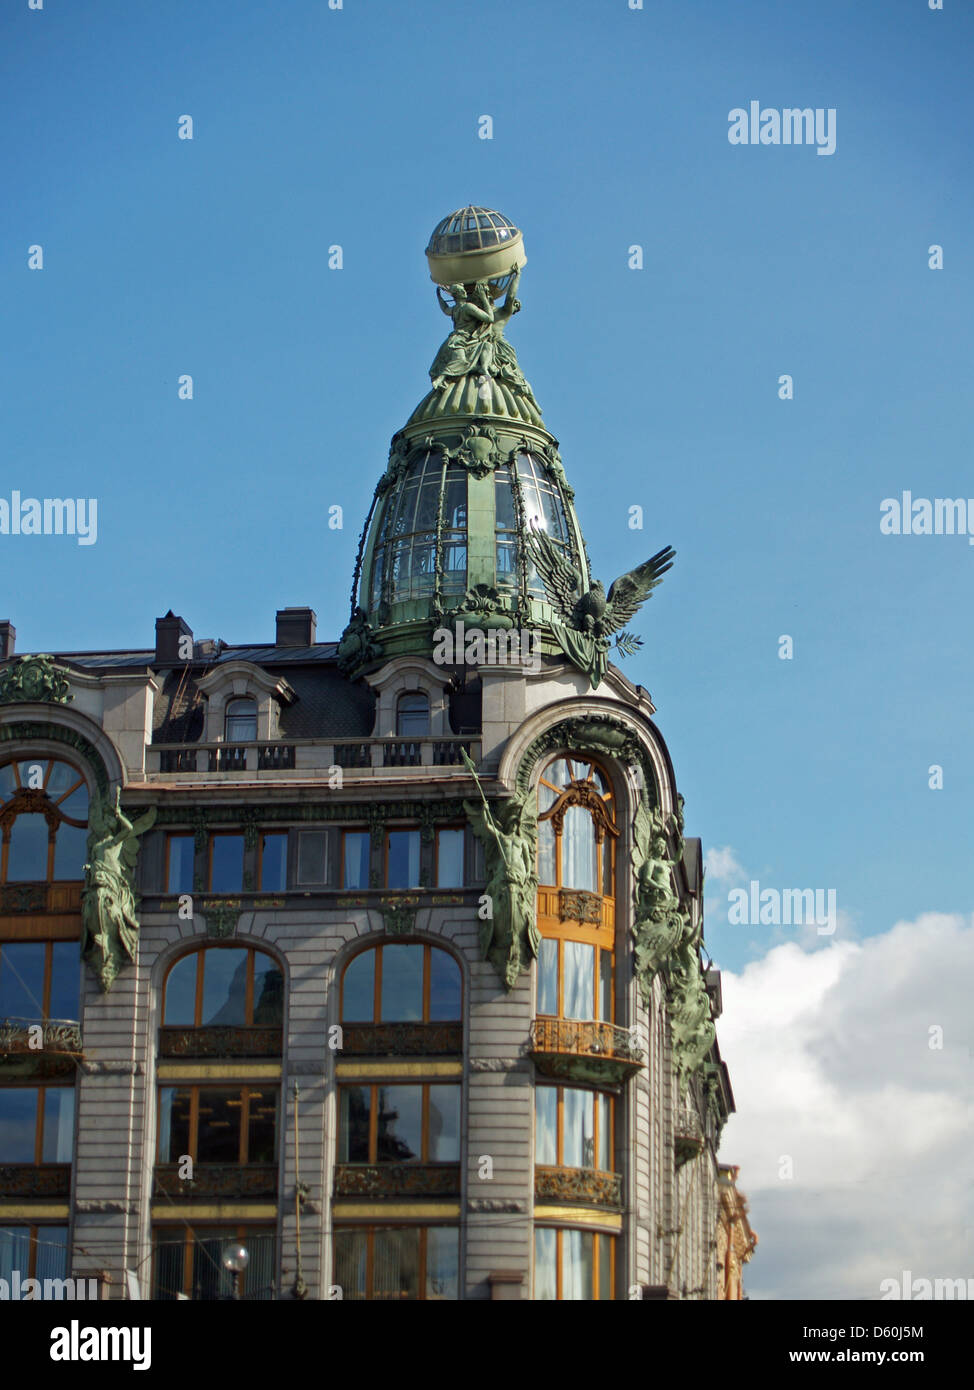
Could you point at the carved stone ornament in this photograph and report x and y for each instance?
(358, 644)
(586, 733)
(221, 917)
(479, 451)
(575, 905)
(481, 607)
(34, 679)
(110, 927)
(398, 916)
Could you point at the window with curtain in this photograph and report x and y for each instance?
(413, 716)
(188, 1259)
(573, 1265)
(240, 721)
(397, 1262)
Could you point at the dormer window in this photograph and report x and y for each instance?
(241, 721)
(413, 716)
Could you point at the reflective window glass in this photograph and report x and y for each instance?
(226, 863)
(449, 858)
(273, 862)
(399, 1123)
(402, 868)
(355, 859)
(182, 849)
(358, 988)
(445, 1000)
(402, 983)
(225, 987)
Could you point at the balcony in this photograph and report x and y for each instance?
(221, 1181)
(33, 1049)
(584, 1187)
(402, 1039)
(35, 1181)
(219, 1041)
(397, 1180)
(306, 759)
(582, 1050)
(35, 899)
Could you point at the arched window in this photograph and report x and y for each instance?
(44, 821)
(413, 715)
(241, 721)
(409, 982)
(576, 902)
(224, 986)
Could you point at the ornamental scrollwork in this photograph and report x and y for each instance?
(34, 680)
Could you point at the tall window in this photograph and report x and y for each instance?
(40, 980)
(573, 1128)
(413, 716)
(397, 1262)
(226, 863)
(218, 1124)
(402, 859)
(574, 1265)
(424, 514)
(189, 1260)
(44, 821)
(235, 986)
(355, 858)
(241, 721)
(399, 1123)
(38, 1252)
(36, 1124)
(180, 854)
(576, 864)
(407, 983)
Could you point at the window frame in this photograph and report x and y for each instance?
(16, 805)
(415, 695)
(188, 1232)
(34, 1240)
(49, 942)
(228, 716)
(594, 1232)
(262, 835)
(463, 857)
(370, 1230)
(343, 833)
(213, 836)
(402, 830)
(42, 1087)
(560, 1126)
(243, 1139)
(376, 1020)
(181, 835)
(200, 952)
(422, 1159)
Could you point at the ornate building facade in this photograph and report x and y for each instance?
(391, 947)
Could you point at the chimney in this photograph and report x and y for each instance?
(8, 638)
(296, 627)
(169, 631)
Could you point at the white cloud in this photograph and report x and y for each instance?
(831, 1064)
(722, 866)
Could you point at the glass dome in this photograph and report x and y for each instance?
(441, 530)
(470, 229)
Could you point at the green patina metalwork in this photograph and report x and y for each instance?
(221, 916)
(34, 680)
(508, 831)
(589, 733)
(30, 732)
(110, 927)
(398, 916)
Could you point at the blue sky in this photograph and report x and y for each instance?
(360, 127)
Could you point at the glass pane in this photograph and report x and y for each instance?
(268, 991)
(27, 860)
(180, 1099)
(311, 856)
(403, 863)
(604, 1157)
(15, 1250)
(578, 1139)
(356, 859)
(18, 1124)
(576, 1265)
(60, 777)
(241, 721)
(33, 772)
(181, 992)
(605, 986)
(546, 1125)
(225, 987)
(182, 849)
(164, 1142)
(262, 1136)
(273, 863)
(442, 1262)
(546, 851)
(413, 716)
(168, 1264)
(58, 1138)
(400, 1124)
(444, 1124)
(606, 1257)
(52, 1253)
(402, 984)
(210, 1279)
(260, 1276)
(449, 859)
(608, 888)
(65, 981)
(579, 965)
(445, 1002)
(226, 863)
(578, 850)
(70, 851)
(545, 1274)
(74, 806)
(548, 978)
(395, 1264)
(22, 979)
(351, 1250)
(353, 1124)
(358, 988)
(8, 781)
(219, 1127)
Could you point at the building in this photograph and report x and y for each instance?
(392, 945)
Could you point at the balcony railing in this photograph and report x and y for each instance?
(583, 1050)
(402, 1039)
(55, 1035)
(309, 756)
(221, 1041)
(32, 1180)
(397, 1180)
(587, 1187)
(229, 1180)
(49, 898)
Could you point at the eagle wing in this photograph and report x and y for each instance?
(559, 579)
(632, 589)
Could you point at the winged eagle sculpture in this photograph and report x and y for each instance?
(590, 618)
